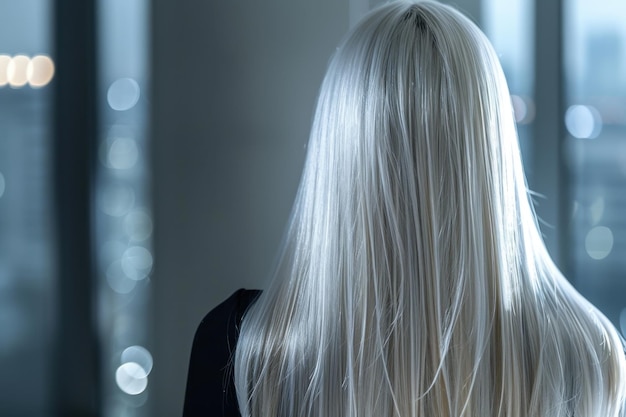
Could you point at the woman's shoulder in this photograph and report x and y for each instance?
(229, 313)
(210, 389)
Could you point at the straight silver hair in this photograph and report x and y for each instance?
(413, 279)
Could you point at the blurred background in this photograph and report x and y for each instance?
(150, 152)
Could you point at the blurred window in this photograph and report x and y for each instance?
(594, 120)
(509, 26)
(595, 150)
(27, 248)
(594, 154)
(122, 214)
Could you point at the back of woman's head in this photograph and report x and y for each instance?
(413, 280)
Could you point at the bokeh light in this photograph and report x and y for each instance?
(131, 378)
(123, 153)
(21, 70)
(599, 242)
(16, 71)
(123, 94)
(40, 71)
(139, 355)
(137, 262)
(583, 122)
(4, 64)
(523, 109)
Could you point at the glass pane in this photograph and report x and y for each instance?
(26, 241)
(123, 217)
(595, 145)
(509, 26)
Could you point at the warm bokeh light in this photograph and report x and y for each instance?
(16, 71)
(40, 71)
(4, 64)
(20, 70)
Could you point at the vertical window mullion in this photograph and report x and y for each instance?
(76, 358)
(549, 170)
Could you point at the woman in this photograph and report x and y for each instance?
(414, 281)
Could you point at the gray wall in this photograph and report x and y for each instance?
(234, 87)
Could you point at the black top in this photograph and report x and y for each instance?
(210, 386)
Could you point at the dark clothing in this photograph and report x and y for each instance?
(210, 385)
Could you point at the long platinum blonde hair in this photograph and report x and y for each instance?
(413, 279)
